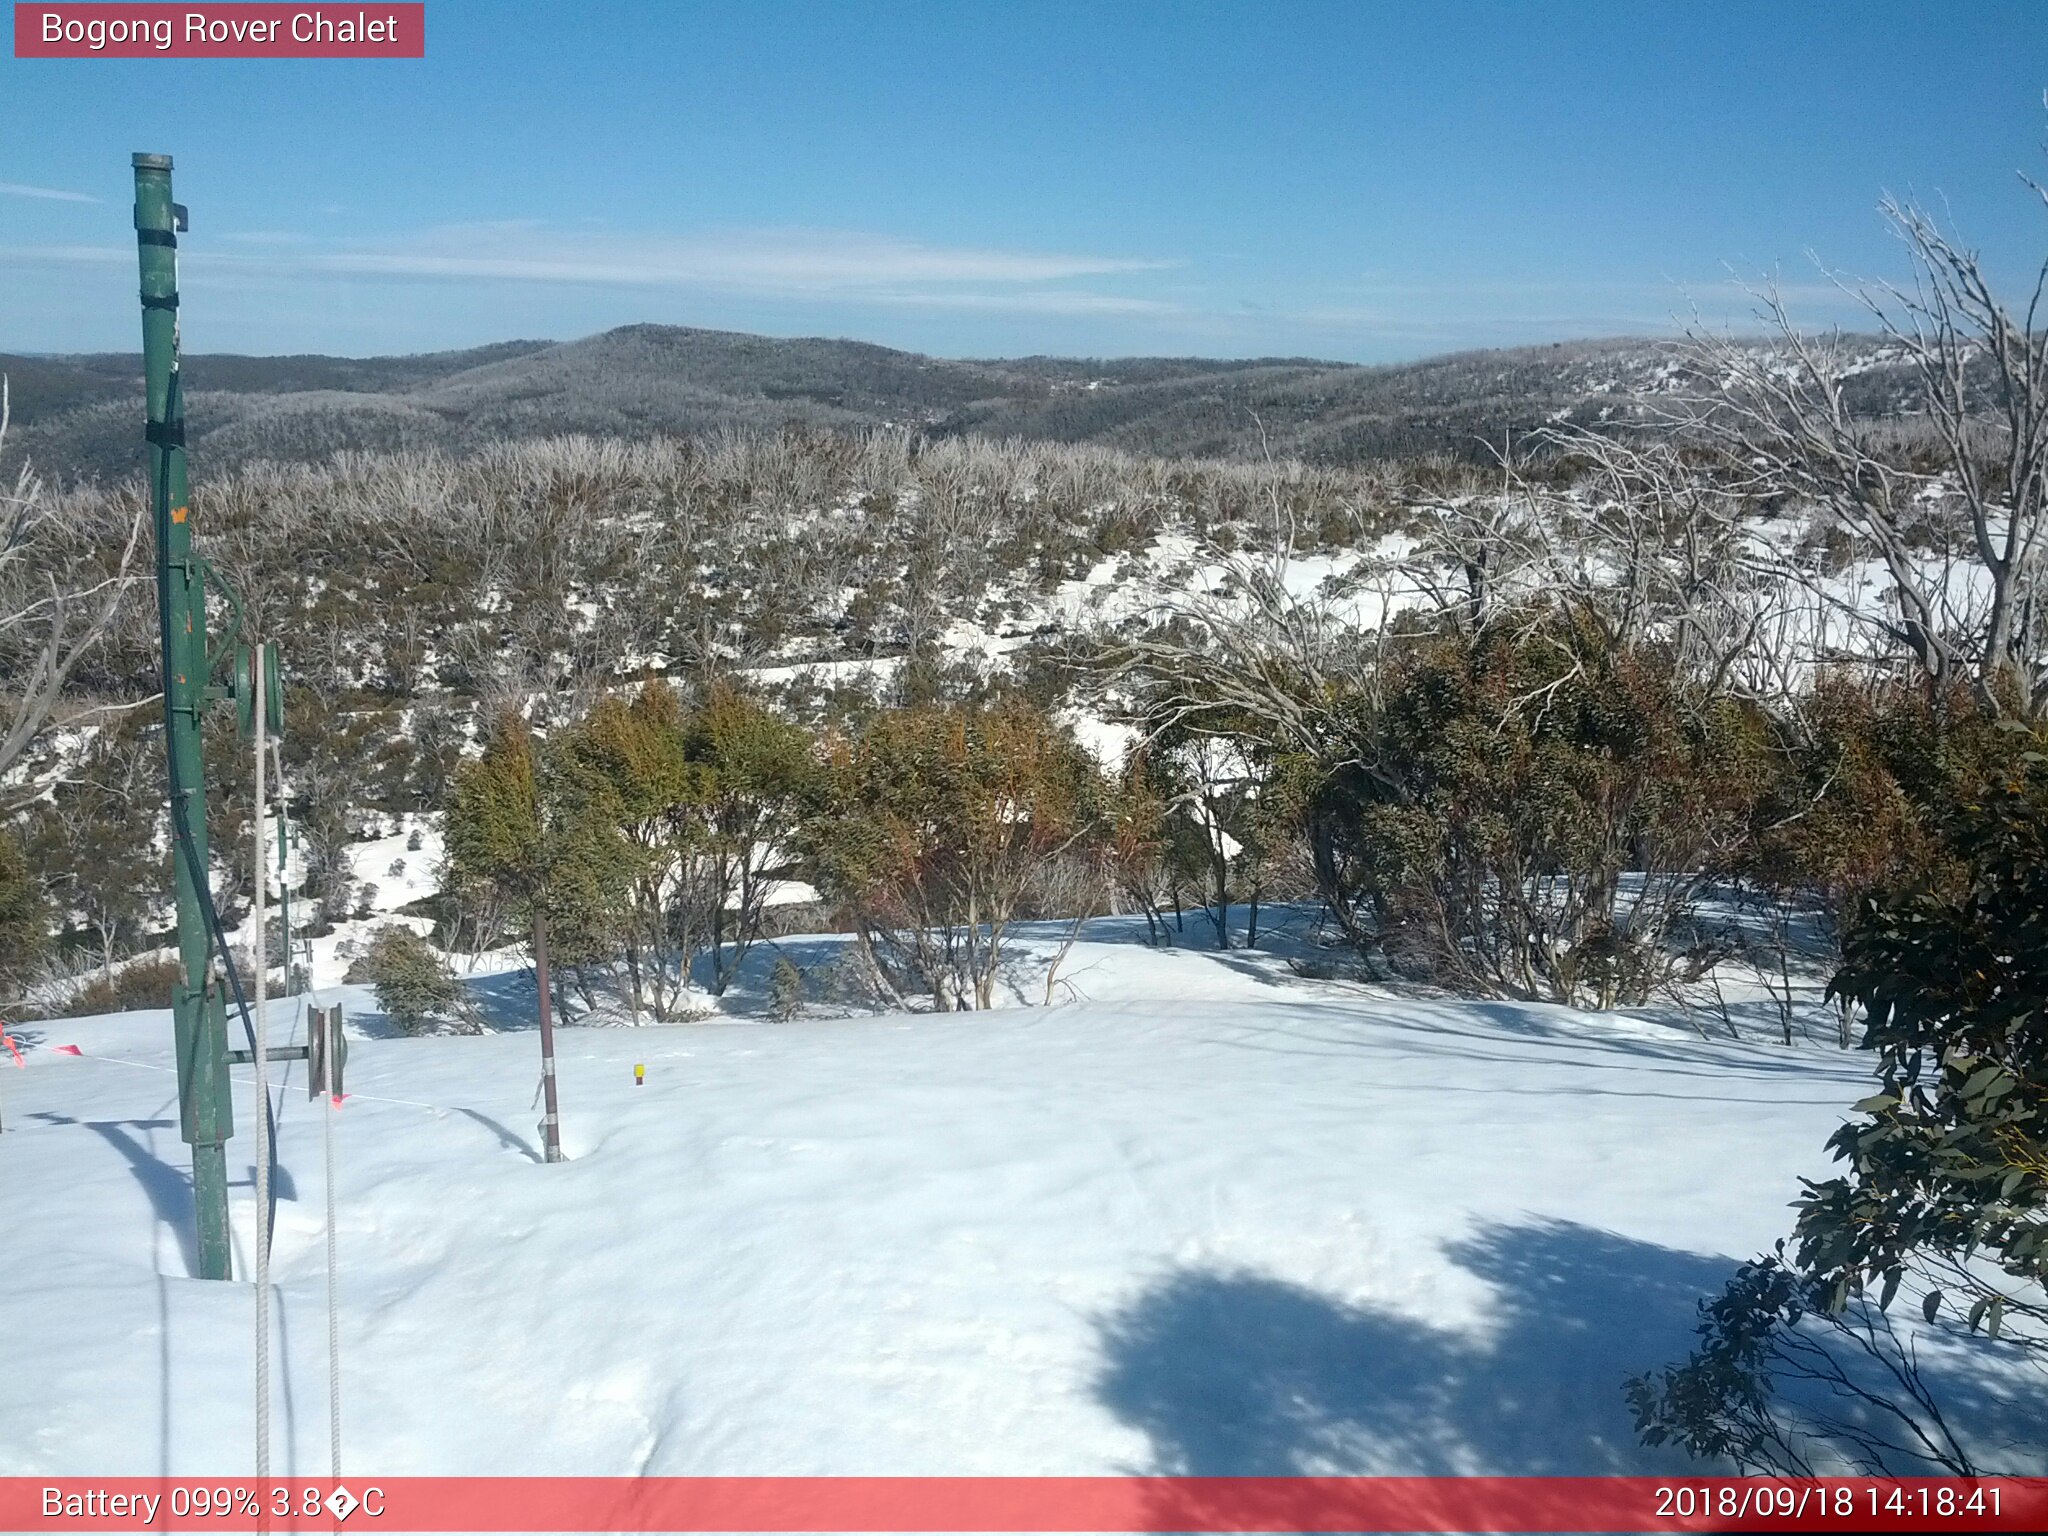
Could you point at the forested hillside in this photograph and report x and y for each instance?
(77, 415)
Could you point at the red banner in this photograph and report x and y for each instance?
(241, 31)
(1053, 1504)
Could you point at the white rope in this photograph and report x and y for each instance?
(287, 841)
(262, 1063)
(333, 1312)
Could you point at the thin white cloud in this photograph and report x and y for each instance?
(793, 264)
(791, 261)
(1046, 301)
(851, 269)
(48, 194)
(67, 255)
(1522, 293)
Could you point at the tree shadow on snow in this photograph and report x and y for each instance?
(751, 989)
(369, 1024)
(1486, 1031)
(1567, 1027)
(506, 1001)
(1238, 1374)
(502, 1001)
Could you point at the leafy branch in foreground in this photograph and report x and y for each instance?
(1945, 1197)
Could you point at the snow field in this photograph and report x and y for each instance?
(1211, 1218)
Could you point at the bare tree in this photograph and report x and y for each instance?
(1955, 509)
(56, 600)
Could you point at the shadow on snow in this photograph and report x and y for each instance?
(1231, 1373)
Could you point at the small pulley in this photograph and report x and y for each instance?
(245, 689)
(326, 1050)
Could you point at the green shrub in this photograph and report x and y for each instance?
(1537, 814)
(23, 934)
(1943, 1204)
(140, 984)
(785, 990)
(414, 986)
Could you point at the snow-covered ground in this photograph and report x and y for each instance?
(1209, 1217)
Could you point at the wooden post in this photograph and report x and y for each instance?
(551, 1124)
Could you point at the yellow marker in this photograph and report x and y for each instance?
(639, 1073)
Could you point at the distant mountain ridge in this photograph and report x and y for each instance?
(78, 415)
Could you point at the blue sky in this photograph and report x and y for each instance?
(1362, 181)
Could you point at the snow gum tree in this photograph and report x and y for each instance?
(526, 833)
(1138, 847)
(1867, 775)
(1212, 829)
(496, 843)
(633, 759)
(1535, 813)
(690, 810)
(759, 768)
(933, 826)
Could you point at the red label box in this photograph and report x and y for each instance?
(367, 29)
(61, 1505)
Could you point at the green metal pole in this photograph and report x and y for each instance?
(199, 1013)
